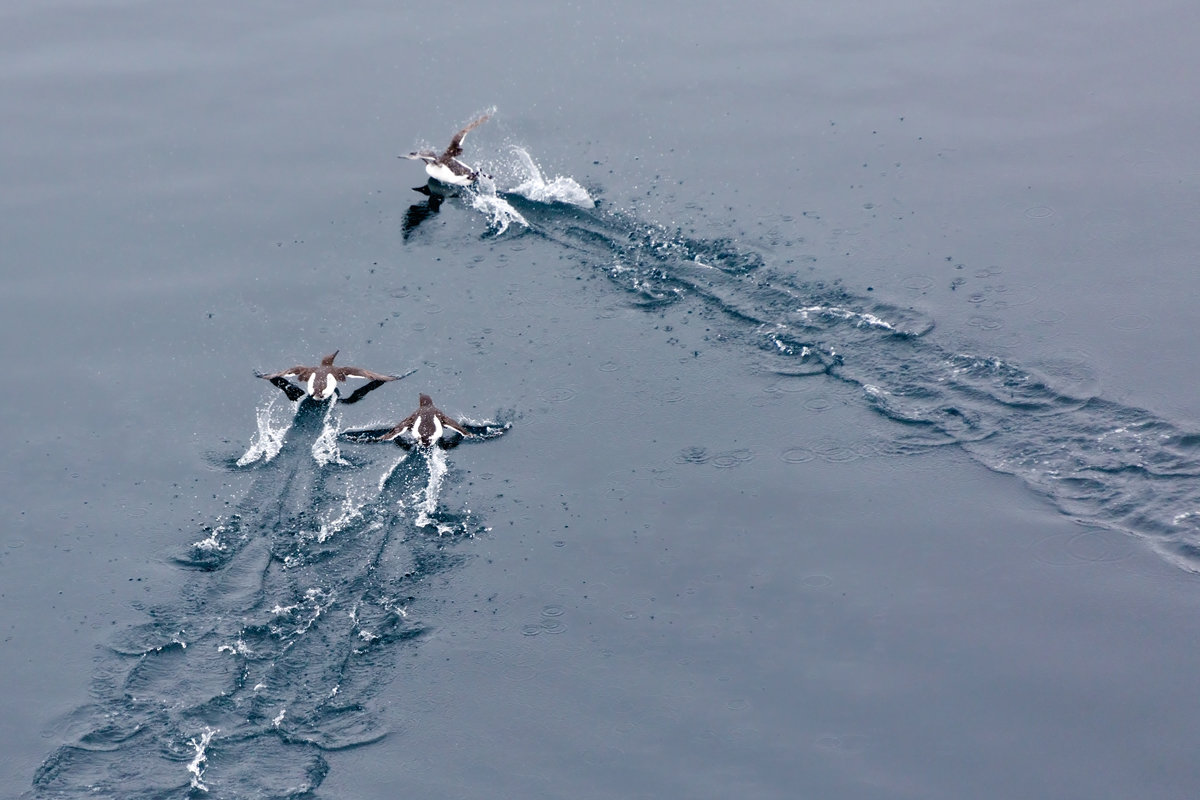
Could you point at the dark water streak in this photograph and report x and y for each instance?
(278, 648)
(1100, 462)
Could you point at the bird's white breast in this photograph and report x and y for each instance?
(440, 172)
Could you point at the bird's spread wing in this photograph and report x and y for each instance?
(400, 428)
(292, 391)
(486, 431)
(363, 391)
(455, 148)
(451, 424)
(299, 373)
(367, 434)
(342, 373)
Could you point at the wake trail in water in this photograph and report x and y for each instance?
(282, 639)
(1100, 462)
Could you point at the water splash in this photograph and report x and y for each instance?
(325, 449)
(281, 638)
(560, 189)
(197, 764)
(488, 198)
(500, 214)
(425, 499)
(271, 431)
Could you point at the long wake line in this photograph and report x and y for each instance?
(1103, 463)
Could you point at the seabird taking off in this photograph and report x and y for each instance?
(321, 382)
(426, 427)
(447, 168)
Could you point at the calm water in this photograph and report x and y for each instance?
(848, 355)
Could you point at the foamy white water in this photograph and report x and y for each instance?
(499, 212)
(325, 449)
(560, 189)
(426, 499)
(197, 764)
(272, 428)
(532, 184)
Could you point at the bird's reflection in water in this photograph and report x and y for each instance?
(419, 212)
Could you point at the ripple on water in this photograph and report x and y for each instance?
(985, 322)
(558, 394)
(666, 479)
(732, 458)
(842, 742)
(692, 455)
(917, 283)
(1130, 322)
(1051, 316)
(797, 455)
(1011, 296)
(790, 386)
(1084, 547)
(1039, 212)
(833, 451)
(1071, 371)
(818, 404)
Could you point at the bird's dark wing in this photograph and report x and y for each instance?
(393, 434)
(299, 373)
(370, 434)
(455, 148)
(486, 431)
(292, 391)
(342, 373)
(453, 425)
(363, 391)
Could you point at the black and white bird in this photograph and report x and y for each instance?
(321, 382)
(446, 167)
(428, 427)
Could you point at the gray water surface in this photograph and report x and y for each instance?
(853, 445)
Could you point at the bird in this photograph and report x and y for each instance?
(427, 427)
(446, 168)
(321, 382)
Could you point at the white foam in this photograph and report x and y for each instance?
(387, 475)
(197, 764)
(498, 211)
(860, 318)
(325, 449)
(268, 439)
(427, 504)
(560, 189)
(351, 510)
